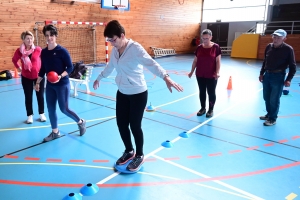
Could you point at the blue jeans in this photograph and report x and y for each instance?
(61, 95)
(272, 89)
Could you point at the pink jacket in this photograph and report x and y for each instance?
(35, 60)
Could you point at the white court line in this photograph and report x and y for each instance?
(205, 176)
(174, 140)
(202, 185)
(176, 100)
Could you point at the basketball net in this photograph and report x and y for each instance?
(121, 8)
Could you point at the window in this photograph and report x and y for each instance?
(235, 10)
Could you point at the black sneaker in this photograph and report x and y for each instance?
(135, 164)
(201, 112)
(127, 156)
(266, 117)
(82, 127)
(52, 136)
(269, 122)
(210, 113)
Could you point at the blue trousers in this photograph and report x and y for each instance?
(61, 95)
(272, 89)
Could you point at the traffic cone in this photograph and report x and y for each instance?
(229, 86)
(16, 75)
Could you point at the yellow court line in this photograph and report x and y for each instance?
(291, 196)
(64, 124)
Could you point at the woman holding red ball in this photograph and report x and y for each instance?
(56, 58)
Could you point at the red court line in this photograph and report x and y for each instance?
(153, 159)
(269, 144)
(191, 115)
(101, 161)
(215, 154)
(235, 151)
(253, 148)
(114, 185)
(150, 159)
(196, 156)
(31, 158)
(77, 161)
(202, 179)
(174, 158)
(295, 137)
(283, 141)
(9, 156)
(53, 160)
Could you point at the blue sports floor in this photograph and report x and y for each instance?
(230, 156)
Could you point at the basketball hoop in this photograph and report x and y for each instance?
(121, 8)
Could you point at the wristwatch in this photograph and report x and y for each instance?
(166, 75)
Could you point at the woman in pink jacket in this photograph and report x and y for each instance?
(29, 54)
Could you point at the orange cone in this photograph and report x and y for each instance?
(16, 73)
(229, 86)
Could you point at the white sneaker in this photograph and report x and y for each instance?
(29, 119)
(43, 117)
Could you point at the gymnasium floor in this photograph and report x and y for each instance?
(230, 156)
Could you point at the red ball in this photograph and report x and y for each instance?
(52, 77)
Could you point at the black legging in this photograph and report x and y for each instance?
(210, 85)
(129, 111)
(28, 92)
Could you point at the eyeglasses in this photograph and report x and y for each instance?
(205, 38)
(112, 40)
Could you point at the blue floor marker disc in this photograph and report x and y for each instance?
(73, 196)
(122, 168)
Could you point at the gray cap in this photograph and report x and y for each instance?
(280, 32)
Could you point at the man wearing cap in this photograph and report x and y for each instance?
(278, 57)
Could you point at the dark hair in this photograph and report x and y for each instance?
(113, 28)
(206, 32)
(51, 28)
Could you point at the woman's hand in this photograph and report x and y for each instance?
(37, 87)
(261, 78)
(216, 75)
(96, 85)
(190, 74)
(59, 77)
(170, 83)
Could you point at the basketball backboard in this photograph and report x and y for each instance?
(113, 4)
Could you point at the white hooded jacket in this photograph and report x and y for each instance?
(129, 66)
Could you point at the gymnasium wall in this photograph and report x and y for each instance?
(164, 24)
(293, 40)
